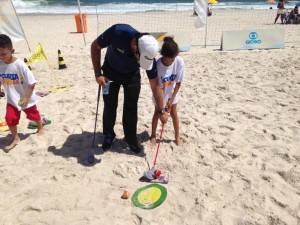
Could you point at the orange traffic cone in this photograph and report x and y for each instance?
(25, 61)
(61, 62)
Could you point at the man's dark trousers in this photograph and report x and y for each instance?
(132, 87)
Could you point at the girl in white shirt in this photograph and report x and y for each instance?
(170, 70)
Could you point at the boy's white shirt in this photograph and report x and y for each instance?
(16, 78)
(168, 76)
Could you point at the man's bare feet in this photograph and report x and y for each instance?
(153, 140)
(12, 145)
(178, 141)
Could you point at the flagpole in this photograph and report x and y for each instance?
(81, 21)
(206, 27)
(52, 73)
(20, 24)
(97, 21)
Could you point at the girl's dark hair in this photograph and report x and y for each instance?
(169, 48)
(5, 42)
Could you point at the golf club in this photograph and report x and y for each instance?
(90, 159)
(153, 172)
(98, 99)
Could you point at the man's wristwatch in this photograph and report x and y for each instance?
(98, 74)
(162, 111)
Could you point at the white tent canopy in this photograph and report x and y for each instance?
(200, 7)
(10, 23)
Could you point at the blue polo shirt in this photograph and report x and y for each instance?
(119, 57)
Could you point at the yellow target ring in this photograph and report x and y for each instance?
(150, 196)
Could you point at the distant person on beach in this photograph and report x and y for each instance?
(294, 15)
(18, 82)
(280, 11)
(127, 51)
(170, 69)
(209, 12)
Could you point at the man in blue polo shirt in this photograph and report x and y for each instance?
(127, 51)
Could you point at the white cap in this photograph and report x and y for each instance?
(148, 48)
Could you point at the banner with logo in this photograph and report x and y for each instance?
(253, 39)
(9, 21)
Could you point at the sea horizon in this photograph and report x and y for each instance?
(126, 6)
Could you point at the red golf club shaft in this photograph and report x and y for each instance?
(159, 141)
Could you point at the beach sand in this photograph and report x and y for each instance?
(239, 121)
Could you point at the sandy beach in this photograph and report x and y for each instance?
(239, 121)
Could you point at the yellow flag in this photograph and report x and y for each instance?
(37, 55)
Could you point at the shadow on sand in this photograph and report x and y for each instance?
(80, 146)
(4, 141)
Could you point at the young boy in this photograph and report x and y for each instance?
(170, 70)
(19, 83)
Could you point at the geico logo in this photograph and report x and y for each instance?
(249, 42)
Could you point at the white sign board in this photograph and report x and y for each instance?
(252, 39)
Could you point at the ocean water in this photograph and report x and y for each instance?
(123, 6)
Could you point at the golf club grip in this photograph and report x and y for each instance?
(160, 137)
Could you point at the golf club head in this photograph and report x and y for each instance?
(91, 160)
(149, 174)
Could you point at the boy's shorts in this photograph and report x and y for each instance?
(13, 114)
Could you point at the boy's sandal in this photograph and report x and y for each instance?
(33, 125)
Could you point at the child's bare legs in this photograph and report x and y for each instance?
(41, 130)
(154, 126)
(15, 138)
(175, 120)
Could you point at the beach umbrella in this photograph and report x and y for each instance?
(212, 2)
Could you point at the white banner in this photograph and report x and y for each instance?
(200, 7)
(9, 22)
(253, 39)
